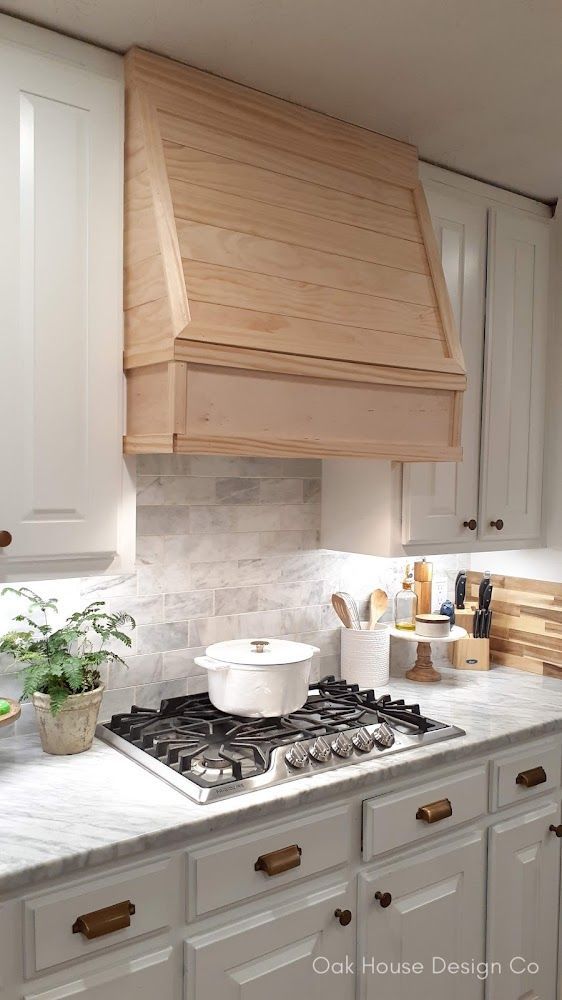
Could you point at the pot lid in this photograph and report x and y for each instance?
(257, 652)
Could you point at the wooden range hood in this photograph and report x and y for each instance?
(284, 293)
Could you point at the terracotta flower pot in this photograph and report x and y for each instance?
(72, 729)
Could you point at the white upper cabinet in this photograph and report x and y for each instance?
(61, 181)
(499, 290)
(495, 254)
(439, 498)
(515, 377)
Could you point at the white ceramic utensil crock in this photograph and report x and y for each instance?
(259, 678)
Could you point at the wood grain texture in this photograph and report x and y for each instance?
(182, 132)
(284, 243)
(272, 187)
(211, 100)
(242, 214)
(228, 411)
(451, 334)
(215, 245)
(270, 361)
(526, 624)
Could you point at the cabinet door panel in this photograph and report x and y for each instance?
(437, 498)
(437, 912)
(60, 313)
(514, 403)
(151, 977)
(523, 885)
(272, 955)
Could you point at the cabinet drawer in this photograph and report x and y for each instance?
(230, 872)
(153, 891)
(394, 820)
(519, 776)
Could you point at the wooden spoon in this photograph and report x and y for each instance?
(379, 604)
(346, 610)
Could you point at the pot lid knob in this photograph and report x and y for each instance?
(258, 645)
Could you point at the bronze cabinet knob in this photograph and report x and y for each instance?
(344, 916)
(384, 899)
(497, 524)
(556, 829)
(471, 525)
(5, 539)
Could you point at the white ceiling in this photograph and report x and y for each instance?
(475, 84)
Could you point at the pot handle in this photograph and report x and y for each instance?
(209, 664)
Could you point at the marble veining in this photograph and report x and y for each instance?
(61, 815)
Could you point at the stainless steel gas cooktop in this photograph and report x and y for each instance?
(208, 755)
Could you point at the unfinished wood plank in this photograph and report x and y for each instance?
(218, 173)
(246, 328)
(226, 247)
(211, 100)
(270, 361)
(163, 209)
(228, 211)
(449, 326)
(182, 132)
(253, 406)
(301, 299)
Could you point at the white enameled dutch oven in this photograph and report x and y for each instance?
(262, 678)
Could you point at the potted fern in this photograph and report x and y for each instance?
(61, 672)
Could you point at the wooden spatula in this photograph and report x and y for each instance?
(379, 604)
(346, 610)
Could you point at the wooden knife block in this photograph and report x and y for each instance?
(471, 654)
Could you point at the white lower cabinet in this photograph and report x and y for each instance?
(436, 917)
(523, 891)
(150, 977)
(288, 952)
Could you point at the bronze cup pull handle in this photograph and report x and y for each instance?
(99, 922)
(435, 811)
(534, 776)
(277, 862)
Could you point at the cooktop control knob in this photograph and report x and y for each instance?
(320, 750)
(384, 736)
(342, 745)
(296, 756)
(363, 740)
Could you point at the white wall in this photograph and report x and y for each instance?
(546, 563)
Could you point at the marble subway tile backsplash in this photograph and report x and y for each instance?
(227, 548)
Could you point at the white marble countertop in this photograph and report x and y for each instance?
(61, 815)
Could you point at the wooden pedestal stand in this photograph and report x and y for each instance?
(13, 714)
(423, 671)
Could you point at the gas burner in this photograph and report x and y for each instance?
(208, 754)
